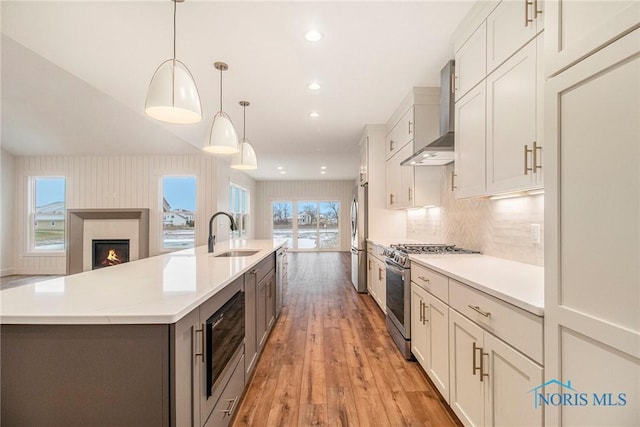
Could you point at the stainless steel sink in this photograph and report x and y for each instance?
(237, 253)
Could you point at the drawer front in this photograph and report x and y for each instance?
(265, 266)
(229, 400)
(517, 327)
(429, 280)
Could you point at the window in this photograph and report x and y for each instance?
(178, 212)
(239, 208)
(283, 221)
(48, 213)
(316, 226)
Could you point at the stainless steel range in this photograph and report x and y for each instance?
(399, 287)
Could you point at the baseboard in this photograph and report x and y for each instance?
(6, 272)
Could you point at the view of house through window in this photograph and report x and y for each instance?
(239, 208)
(178, 212)
(48, 212)
(316, 226)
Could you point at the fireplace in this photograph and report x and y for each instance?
(109, 252)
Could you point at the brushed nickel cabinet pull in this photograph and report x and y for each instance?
(361, 176)
(421, 315)
(369, 264)
(391, 144)
(453, 186)
(482, 373)
(410, 195)
(535, 165)
(391, 198)
(379, 274)
(536, 11)
(254, 271)
(453, 83)
(410, 131)
(424, 315)
(202, 342)
(476, 368)
(526, 13)
(423, 279)
(526, 160)
(476, 308)
(231, 407)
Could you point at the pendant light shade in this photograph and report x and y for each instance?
(172, 95)
(246, 158)
(223, 138)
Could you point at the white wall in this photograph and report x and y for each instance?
(271, 191)
(7, 216)
(116, 182)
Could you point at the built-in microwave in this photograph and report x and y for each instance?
(225, 333)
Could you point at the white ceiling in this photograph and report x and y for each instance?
(75, 74)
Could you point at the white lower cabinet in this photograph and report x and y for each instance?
(490, 380)
(377, 278)
(430, 337)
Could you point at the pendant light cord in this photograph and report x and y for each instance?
(175, 4)
(221, 90)
(244, 122)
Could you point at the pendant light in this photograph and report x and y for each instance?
(172, 95)
(246, 158)
(223, 138)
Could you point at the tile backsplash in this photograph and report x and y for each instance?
(500, 228)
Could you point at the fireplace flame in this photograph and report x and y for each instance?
(112, 258)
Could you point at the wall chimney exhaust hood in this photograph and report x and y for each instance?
(440, 152)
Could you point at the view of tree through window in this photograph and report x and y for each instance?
(283, 221)
(178, 212)
(316, 226)
(48, 213)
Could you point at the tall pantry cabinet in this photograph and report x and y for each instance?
(592, 211)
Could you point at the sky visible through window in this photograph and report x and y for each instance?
(180, 192)
(49, 190)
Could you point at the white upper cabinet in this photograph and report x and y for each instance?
(469, 179)
(514, 140)
(471, 61)
(509, 27)
(575, 29)
(392, 141)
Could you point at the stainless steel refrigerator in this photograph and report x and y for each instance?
(359, 238)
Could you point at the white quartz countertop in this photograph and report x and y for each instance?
(159, 289)
(514, 282)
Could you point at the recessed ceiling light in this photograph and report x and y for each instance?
(313, 36)
(323, 172)
(283, 172)
(323, 167)
(314, 86)
(279, 168)
(314, 115)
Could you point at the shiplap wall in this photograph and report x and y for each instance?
(271, 191)
(7, 213)
(114, 182)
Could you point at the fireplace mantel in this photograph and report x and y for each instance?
(75, 231)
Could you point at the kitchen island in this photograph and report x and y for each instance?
(125, 345)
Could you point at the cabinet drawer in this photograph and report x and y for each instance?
(429, 280)
(517, 327)
(265, 266)
(230, 399)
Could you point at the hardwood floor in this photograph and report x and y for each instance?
(330, 361)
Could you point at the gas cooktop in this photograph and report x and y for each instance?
(399, 252)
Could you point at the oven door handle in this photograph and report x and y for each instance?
(392, 265)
